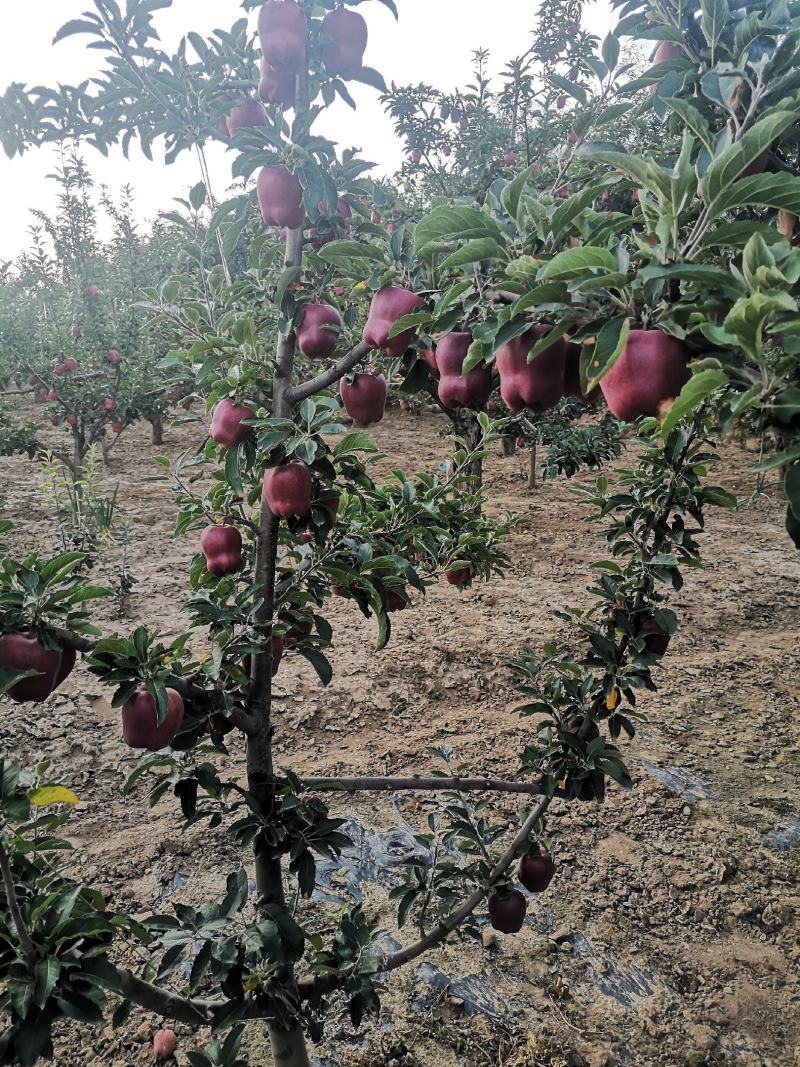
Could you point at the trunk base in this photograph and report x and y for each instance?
(288, 1049)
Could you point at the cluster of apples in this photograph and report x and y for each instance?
(508, 907)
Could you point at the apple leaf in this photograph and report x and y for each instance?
(576, 261)
(610, 341)
(52, 794)
(474, 251)
(344, 250)
(697, 389)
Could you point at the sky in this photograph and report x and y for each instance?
(432, 42)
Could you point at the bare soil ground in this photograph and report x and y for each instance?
(670, 935)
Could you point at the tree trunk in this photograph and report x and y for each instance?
(532, 468)
(158, 429)
(509, 445)
(288, 1050)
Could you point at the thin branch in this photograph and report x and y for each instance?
(427, 785)
(25, 940)
(329, 377)
(165, 1003)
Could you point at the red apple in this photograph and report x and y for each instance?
(364, 397)
(92, 291)
(70, 363)
(651, 368)
(164, 1044)
(226, 423)
(288, 490)
(416, 156)
(510, 158)
(278, 645)
(110, 403)
(507, 911)
(447, 150)
(72, 420)
(375, 217)
(52, 396)
(283, 33)
(393, 227)
(68, 659)
(248, 112)
(222, 547)
(470, 390)
(344, 38)
(117, 427)
(24, 653)
(343, 209)
(318, 334)
(429, 355)
(656, 640)
(280, 196)
(561, 102)
(59, 369)
(394, 601)
(538, 385)
(77, 332)
(536, 872)
(277, 86)
(572, 137)
(54, 420)
(113, 357)
(462, 576)
(563, 192)
(390, 304)
(140, 727)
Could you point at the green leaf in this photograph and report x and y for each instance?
(576, 91)
(464, 223)
(610, 342)
(510, 196)
(74, 26)
(473, 251)
(371, 77)
(693, 118)
(697, 389)
(407, 322)
(610, 51)
(337, 251)
(762, 190)
(715, 16)
(726, 168)
(576, 261)
(197, 195)
(46, 976)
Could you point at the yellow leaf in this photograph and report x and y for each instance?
(612, 699)
(52, 794)
(562, 784)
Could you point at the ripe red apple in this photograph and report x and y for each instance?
(222, 547)
(318, 334)
(277, 86)
(429, 355)
(470, 390)
(52, 396)
(226, 423)
(507, 911)
(68, 659)
(110, 403)
(283, 33)
(92, 291)
(343, 209)
(561, 102)
(563, 192)
(375, 217)
(22, 652)
(389, 305)
(344, 37)
(280, 195)
(462, 576)
(444, 111)
(70, 363)
(456, 114)
(54, 420)
(510, 158)
(248, 112)
(651, 368)
(538, 385)
(59, 369)
(288, 490)
(140, 727)
(364, 397)
(416, 156)
(572, 137)
(164, 1044)
(666, 50)
(77, 332)
(447, 150)
(392, 228)
(656, 640)
(394, 602)
(72, 420)
(536, 872)
(113, 357)
(117, 427)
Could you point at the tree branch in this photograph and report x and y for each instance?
(415, 782)
(322, 381)
(25, 940)
(163, 1002)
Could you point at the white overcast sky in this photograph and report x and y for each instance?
(432, 43)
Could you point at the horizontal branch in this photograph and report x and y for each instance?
(427, 785)
(165, 1003)
(328, 377)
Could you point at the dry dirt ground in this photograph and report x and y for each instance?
(670, 935)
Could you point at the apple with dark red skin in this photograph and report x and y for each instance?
(318, 334)
(429, 355)
(72, 420)
(390, 304)
(92, 291)
(471, 390)
(447, 150)
(222, 547)
(52, 396)
(22, 652)
(283, 33)
(393, 227)
(537, 385)
(394, 602)
(666, 50)
(416, 156)
(343, 209)
(375, 217)
(54, 420)
(462, 576)
(110, 404)
(280, 196)
(536, 872)
(226, 423)
(364, 397)
(165, 1044)
(288, 490)
(113, 357)
(77, 332)
(117, 427)
(247, 113)
(651, 368)
(59, 369)
(69, 658)
(510, 158)
(70, 363)
(277, 86)
(140, 727)
(563, 192)
(561, 102)
(344, 37)
(507, 911)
